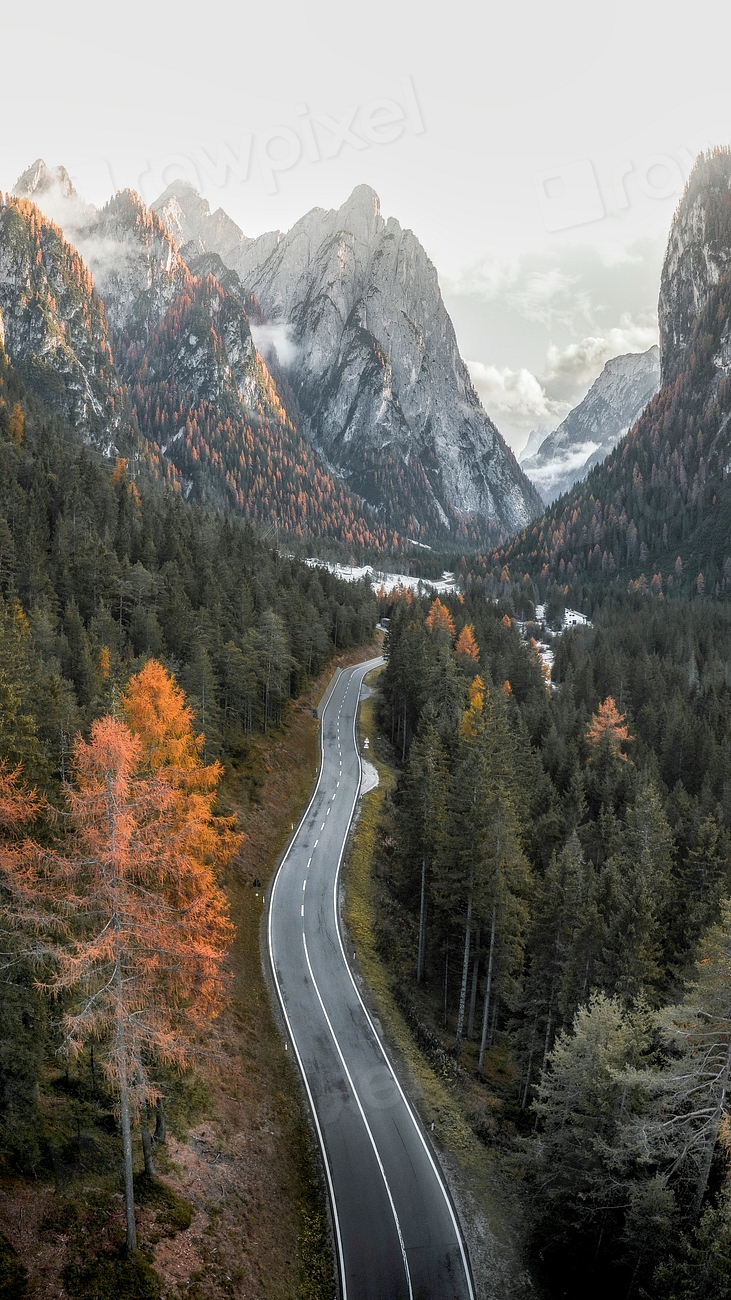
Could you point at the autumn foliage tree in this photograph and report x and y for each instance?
(608, 730)
(128, 911)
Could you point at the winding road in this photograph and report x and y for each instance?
(396, 1232)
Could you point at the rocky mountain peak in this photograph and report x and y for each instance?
(360, 215)
(188, 218)
(698, 254)
(353, 306)
(39, 179)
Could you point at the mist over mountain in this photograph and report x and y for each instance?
(309, 377)
(656, 515)
(593, 428)
(358, 322)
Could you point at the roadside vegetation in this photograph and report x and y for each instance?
(546, 893)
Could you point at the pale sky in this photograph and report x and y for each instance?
(537, 150)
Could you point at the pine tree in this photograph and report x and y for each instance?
(423, 802)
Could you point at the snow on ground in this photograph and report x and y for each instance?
(571, 618)
(389, 581)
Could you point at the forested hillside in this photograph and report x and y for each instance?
(96, 571)
(657, 513)
(164, 371)
(555, 868)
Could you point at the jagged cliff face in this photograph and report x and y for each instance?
(354, 310)
(137, 269)
(592, 430)
(698, 255)
(55, 328)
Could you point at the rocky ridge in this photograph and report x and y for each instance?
(355, 315)
(592, 429)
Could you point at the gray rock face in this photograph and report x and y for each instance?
(355, 314)
(698, 254)
(592, 430)
(55, 329)
(135, 263)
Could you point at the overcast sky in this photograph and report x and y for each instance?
(537, 150)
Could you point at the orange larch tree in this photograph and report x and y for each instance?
(131, 916)
(608, 727)
(439, 619)
(467, 645)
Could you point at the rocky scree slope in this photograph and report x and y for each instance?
(656, 515)
(592, 429)
(353, 308)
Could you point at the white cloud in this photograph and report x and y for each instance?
(577, 365)
(517, 392)
(277, 338)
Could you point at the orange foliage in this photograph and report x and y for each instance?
(608, 727)
(131, 915)
(17, 805)
(156, 712)
(439, 619)
(466, 643)
(473, 712)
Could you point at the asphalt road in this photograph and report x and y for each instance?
(396, 1232)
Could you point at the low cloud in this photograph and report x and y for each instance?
(517, 393)
(577, 365)
(277, 339)
(540, 326)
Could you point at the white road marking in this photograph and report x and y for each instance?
(363, 1117)
(315, 845)
(304, 885)
(309, 862)
(302, 912)
(412, 1116)
(327, 814)
(322, 827)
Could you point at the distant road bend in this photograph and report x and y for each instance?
(397, 1234)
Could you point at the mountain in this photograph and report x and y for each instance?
(535, 438)
(352, 308)
(587, 435)
(183, 364)
(655, 516)
(55, 327)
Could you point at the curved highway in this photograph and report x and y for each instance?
(397, 1236)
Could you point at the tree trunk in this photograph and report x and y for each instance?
(526, 1090)
(713, 1137)
(488, 986)
(473, 994)
(160, 1134)
(147, 1151)
(129, 1191)
(422, 926)
(465, 969)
